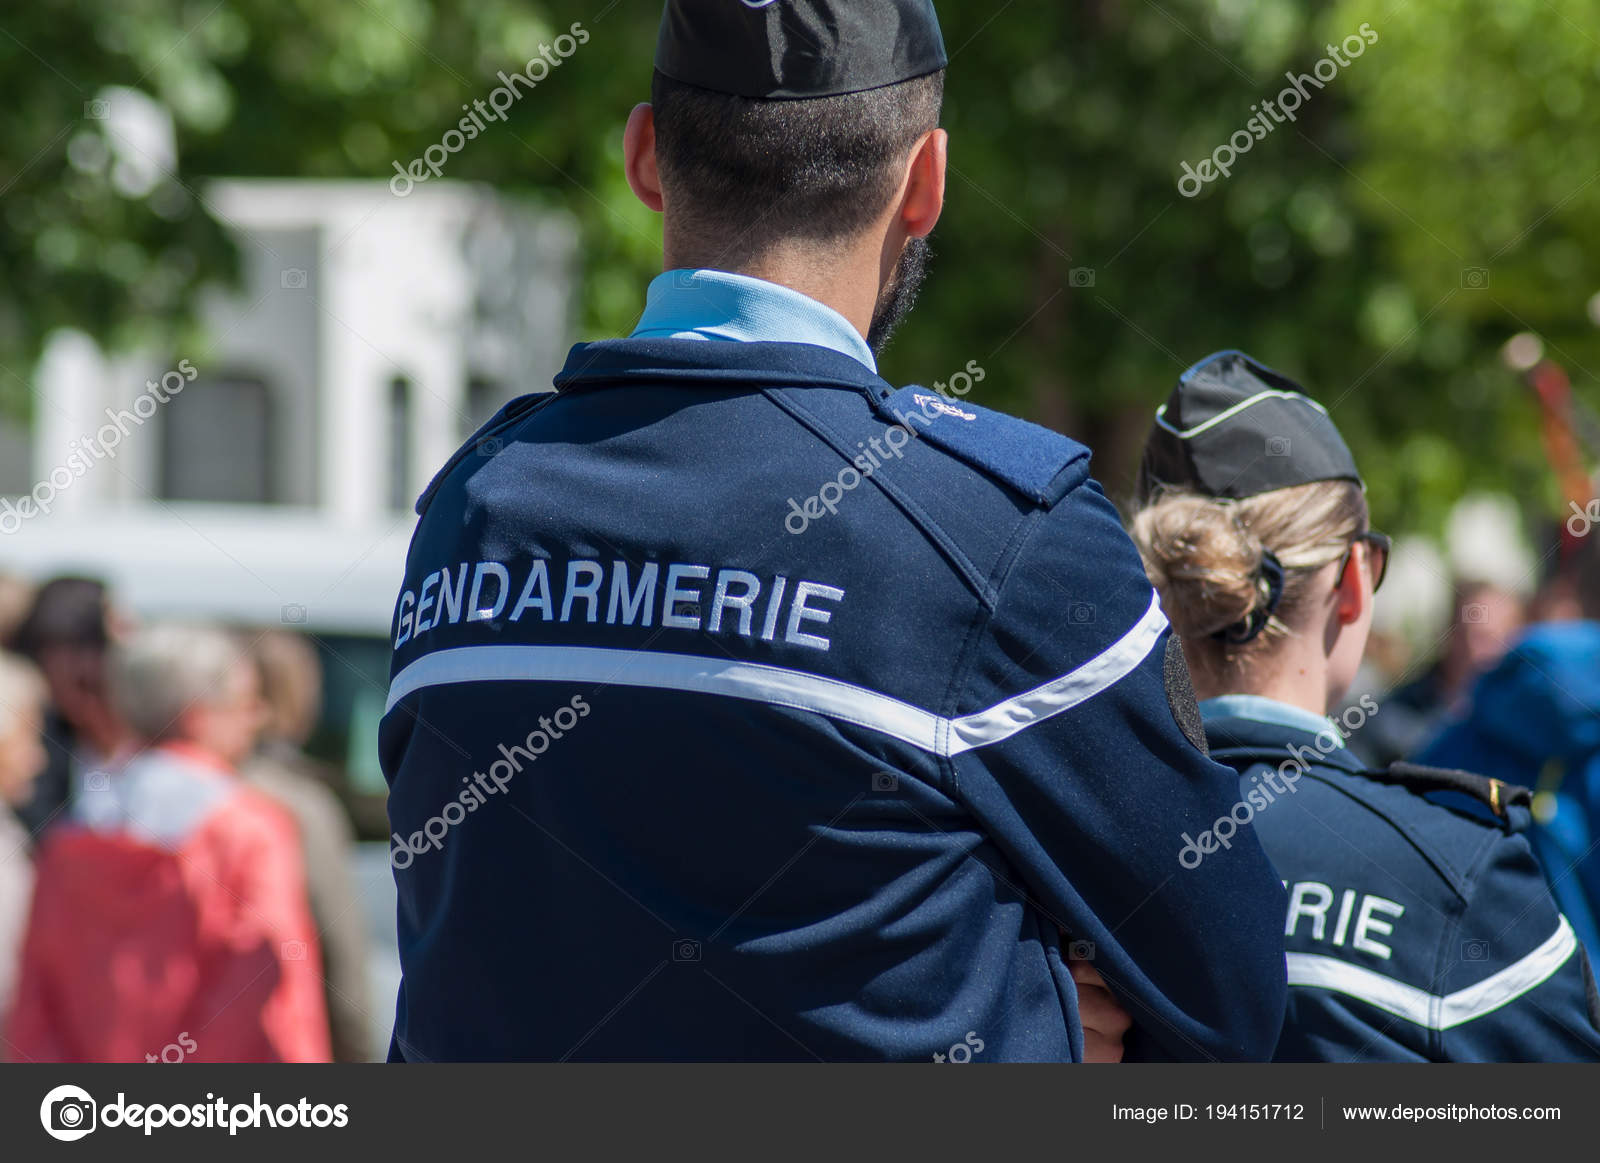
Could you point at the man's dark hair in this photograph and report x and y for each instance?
(67, 611)
(744, 173)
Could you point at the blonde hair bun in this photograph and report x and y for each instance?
(1207, 555)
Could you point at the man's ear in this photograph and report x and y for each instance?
(639, 156)
(923, 199)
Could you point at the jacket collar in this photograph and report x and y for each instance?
(1241, 740)
(696, 362)
(1265, 710)
(721, 305)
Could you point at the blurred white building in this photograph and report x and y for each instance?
(371, 335)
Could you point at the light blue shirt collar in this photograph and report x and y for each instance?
(1260, 709)
(699, 304)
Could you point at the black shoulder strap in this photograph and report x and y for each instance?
(1499, 795)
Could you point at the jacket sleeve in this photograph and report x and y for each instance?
(1515, 983)
(1076, 744)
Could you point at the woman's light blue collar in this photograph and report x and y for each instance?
(705, 304)
(1260, 709)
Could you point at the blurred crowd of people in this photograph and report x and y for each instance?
(175, 878)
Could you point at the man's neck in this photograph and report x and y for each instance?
(846, 280)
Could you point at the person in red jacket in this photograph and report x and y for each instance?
(170, 920)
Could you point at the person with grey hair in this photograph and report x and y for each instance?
(22, 758)
(188, 683)
(173, 864)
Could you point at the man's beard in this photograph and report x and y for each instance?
(899, 295)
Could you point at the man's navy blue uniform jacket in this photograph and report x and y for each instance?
(1420, 927)
(745, 708)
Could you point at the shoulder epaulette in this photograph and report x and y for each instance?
(1038, 463)
(1497, 794)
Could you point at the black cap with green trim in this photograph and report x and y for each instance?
(1234, 428)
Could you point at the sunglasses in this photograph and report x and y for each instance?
(1378, 545)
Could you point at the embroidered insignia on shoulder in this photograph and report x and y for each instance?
(1042, 465)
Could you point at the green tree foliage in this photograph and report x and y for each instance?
(1341, 248)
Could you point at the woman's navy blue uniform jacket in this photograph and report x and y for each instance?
(1419, 925)
(745, 707)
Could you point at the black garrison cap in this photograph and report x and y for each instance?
(795, 49)
(1233, 428)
